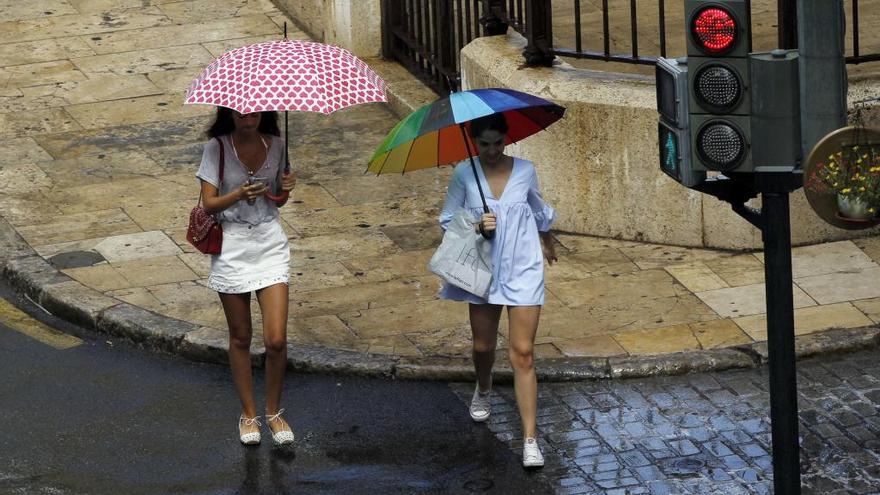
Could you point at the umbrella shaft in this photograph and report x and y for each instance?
(467, 144)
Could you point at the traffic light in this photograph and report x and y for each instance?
(723, 109)
(673, 136)
(718, 45)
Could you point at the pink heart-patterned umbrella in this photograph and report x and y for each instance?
(287, 75)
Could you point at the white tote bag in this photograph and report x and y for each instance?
(464, 258)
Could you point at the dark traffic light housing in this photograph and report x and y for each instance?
(723, 109)
(719, 85)
(673, 136)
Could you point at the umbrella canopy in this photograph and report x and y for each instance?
(433, 135)
(287, 75)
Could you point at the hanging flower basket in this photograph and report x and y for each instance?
(842, 174)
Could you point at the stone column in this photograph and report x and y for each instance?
(355, 25)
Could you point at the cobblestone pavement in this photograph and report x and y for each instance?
(703, 433)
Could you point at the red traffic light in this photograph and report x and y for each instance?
(714, 29)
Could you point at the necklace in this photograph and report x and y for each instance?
(235, 152)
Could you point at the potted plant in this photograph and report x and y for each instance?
(853, 175)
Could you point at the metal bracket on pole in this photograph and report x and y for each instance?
(752, 215)
(737, 191)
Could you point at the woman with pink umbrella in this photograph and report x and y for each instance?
(241, 163)
(245, 177)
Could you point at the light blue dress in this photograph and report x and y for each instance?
(518, 261)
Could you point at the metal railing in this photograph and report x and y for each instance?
(427, 36)
(518, 18)
(786, 29)
(857, 57)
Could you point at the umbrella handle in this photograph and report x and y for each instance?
(487, 234)
(280, 198)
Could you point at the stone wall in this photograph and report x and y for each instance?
(308, 14)
(599, 166)
(352, 24)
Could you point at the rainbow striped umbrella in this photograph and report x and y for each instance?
(436, 134)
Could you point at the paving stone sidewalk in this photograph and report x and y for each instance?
(97, 158)
(702, 434)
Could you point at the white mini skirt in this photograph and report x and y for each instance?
(252, 257)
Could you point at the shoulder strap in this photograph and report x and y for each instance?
(222, 158)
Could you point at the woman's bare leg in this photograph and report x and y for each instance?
(523, 327)
(238, 317)
(484, 325)
(274, 304)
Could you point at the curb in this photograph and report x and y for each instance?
(69, 300)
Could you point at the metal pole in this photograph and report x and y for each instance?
(787, 21)
(494, 17)
(447, 49)
(780, 342)
(539, 33)
(491, 234)
(474, 167)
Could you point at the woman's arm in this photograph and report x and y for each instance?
(544, 214)
(288, 182)
(209, 177)
(547, 247)
(455, 199)
(213, 203)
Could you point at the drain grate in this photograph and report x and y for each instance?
(479, 485)
(76, 259)
(685, 466)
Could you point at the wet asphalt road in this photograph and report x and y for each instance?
(109, 418)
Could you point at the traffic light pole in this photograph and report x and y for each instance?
(780, 342)
(822, 107)
(774, 222)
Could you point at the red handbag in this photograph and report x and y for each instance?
(204, 231)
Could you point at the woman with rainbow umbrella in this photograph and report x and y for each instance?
(501, 194)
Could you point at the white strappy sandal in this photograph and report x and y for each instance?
(251, 437)
(283, 437)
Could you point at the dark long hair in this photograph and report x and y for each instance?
(223, 123)
(494, 121)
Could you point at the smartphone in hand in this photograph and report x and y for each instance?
(257, 180)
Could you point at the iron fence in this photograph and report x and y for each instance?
(857, 57)
(786, 25)
(427, 36)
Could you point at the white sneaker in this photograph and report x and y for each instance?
(481, 406)
(532, 456)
